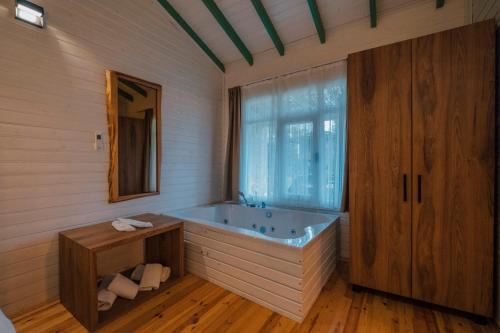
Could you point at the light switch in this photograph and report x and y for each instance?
(98, 144)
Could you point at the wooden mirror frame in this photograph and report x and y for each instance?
(112, 110)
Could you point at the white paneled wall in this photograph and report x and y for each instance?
(411, 20)
(52, 101)
(417, 18)
(486, 9)
(344, 236)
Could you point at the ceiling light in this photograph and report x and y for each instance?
(30, 13)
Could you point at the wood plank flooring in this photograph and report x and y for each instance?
(195, 305)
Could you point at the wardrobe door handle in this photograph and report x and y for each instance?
(405, 188)
(419, 194)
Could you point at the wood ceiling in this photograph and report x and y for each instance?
(230, 30)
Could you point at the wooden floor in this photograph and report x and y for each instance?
(195, 305)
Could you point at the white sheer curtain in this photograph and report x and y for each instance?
(293, 138)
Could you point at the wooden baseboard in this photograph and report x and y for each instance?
(30, 311)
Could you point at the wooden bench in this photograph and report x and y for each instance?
(78, 249)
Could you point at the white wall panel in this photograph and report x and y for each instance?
(52, 100)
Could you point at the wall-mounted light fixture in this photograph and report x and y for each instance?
(30, 13)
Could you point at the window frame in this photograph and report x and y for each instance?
(322, 112)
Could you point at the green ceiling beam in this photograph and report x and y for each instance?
(138, 89)
(439, 3)
(264, 17)
(228, 28)
(125, 95)
(313, 7)
(373, 13)
(184, 25)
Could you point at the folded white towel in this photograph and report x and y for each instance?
(105, 299)
(137, 273)
(165, 273)
(123, 287)
(151, 277)
(135, 223)
(122, 226)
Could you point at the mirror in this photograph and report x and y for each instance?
(134, 113)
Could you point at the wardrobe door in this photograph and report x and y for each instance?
(453, 168)
(379, 139)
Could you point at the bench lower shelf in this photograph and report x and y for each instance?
(122, 305)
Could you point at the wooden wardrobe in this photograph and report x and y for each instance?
(421, 144)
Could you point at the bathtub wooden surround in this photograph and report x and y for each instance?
(78, 255)
(285, 279)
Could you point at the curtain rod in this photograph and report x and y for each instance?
(290, 73)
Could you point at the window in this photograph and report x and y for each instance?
(293, 139)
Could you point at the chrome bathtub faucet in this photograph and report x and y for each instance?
(242, 195)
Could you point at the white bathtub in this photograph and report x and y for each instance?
(278, 258)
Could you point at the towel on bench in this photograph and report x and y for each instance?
(123, 287)
(151, 277)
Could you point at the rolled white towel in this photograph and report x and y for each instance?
(165, 273)
(123, 287)
(151, 277)
(137, 273)
(135, 223)
(105, 299)
(122, 226)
